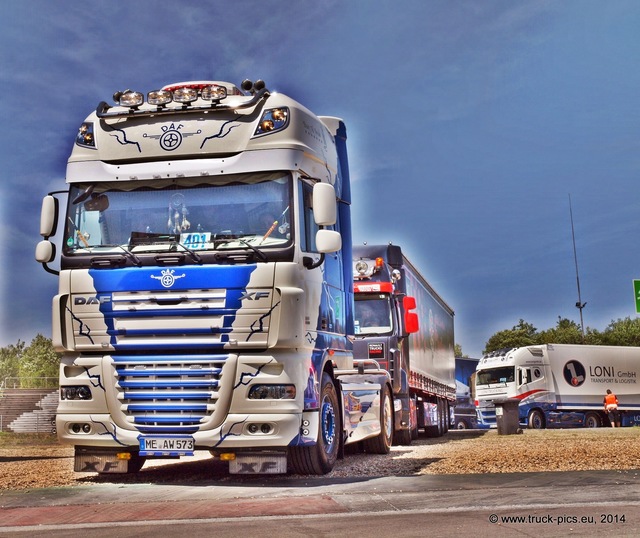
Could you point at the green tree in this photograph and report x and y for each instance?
(39, 361)
(10, 360)
(622, 332)
(457, 351)
(565, 332)
(522, 334)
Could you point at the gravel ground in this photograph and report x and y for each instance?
(29, 461)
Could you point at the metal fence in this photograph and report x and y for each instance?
(29, 383)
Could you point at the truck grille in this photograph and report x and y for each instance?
(168, 393)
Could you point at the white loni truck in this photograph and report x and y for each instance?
(560, 385)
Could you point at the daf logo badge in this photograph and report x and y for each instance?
(168, 279)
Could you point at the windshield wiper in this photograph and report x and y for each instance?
(128, 254)
(261, 255)
(194, 256)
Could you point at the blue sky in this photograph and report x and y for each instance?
(470, 123)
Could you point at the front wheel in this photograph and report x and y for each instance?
(381, 443)
(461, 424)
(321, 457)
(536, 420)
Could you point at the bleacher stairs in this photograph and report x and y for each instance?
(28, 410)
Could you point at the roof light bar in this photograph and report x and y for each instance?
(210, 93)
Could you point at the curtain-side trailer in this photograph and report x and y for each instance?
(403, 325)
(560, 385)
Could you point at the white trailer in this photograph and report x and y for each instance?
(560, 385)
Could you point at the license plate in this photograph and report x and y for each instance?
(166, 446)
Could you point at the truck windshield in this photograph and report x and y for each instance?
(493, 376)
(372, 314)
(247, 211)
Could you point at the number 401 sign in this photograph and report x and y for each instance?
(195, 241)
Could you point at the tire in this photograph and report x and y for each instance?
(135, 463)
(414, 432)
(381, 443)
(592, 420)
(402, 437)
(445, 416)
(461, 424)
(536, 420)
(321, 457)
(438, 429)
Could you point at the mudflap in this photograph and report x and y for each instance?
(259, 463)
(96, 460)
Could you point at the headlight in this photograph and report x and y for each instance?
(361, 267)
(73, 392)
(272, 392)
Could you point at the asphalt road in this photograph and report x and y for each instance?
(590, 503)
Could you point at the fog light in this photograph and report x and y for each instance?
(85, 136)
(75, 428)
(86, 428)
(253, 428)
(273, 120)
(265, 428)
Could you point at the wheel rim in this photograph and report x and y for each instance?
(388, 421)
(536, 421)
(328, 425)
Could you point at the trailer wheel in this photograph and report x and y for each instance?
(446, 416)
(381, 444)
(536, 420)
(321, 457)
(592, 420)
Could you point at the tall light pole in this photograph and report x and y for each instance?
(579, 305)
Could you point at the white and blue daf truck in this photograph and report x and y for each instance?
(205, 277)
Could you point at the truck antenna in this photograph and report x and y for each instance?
(579, 305)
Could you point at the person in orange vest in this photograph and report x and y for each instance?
(611, 407)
